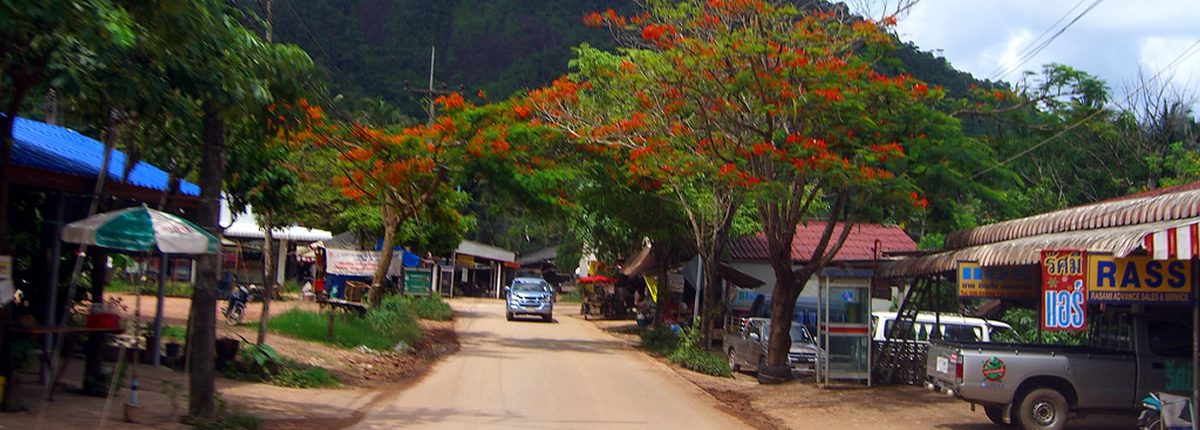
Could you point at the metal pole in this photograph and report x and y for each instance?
(156, 349)
(432, 54)
(1195, 346)
(52, 304)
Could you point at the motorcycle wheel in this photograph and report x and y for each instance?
(235, 313)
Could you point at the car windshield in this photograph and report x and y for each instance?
(531, 287)
(797, 333)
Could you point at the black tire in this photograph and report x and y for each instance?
(548, 318)
(762, 363)
(996, 414)
(732, 362)
(235, 314)
(508, 316)
(1042, 409)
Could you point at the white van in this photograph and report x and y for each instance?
(954, 327)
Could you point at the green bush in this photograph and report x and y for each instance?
(570, 298)
(381, 329)
(686, 350)
(299, 376)
(150, 288)
(425, 307)
(660, 340)
(701, 360)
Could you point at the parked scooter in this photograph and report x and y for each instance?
(1162, 411)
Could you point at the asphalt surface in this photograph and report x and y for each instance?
(530, 374)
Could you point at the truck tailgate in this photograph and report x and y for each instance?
(941, 365)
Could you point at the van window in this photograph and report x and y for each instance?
(961, 333)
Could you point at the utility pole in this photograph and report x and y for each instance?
(430, 92)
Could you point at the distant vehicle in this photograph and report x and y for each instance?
(953, 327)
(748, 347)
(529, 296)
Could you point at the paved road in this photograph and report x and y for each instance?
(535, 375)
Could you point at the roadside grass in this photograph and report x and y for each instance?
(383, 326)
(425, 307)
(570, 298)
(686, 350)
(170, 289)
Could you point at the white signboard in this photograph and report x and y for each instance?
(676, 281)
(348, 262)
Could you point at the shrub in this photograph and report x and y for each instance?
(427, 308)
(660, 340)
(701, 360)
(380, 329)
(300, 376)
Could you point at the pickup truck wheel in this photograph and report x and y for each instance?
(732, 362)
(996, 414)
(1043, 409)
(762, 363)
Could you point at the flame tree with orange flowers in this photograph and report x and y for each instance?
(756, 101)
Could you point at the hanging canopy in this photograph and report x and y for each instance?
(596, 279)
(141, 229)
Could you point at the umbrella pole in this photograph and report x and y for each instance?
(156, 349)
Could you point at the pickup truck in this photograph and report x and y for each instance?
(748, 346)
(1130, 352)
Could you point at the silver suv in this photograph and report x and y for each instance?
(530, 296)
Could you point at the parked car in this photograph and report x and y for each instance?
(1130, 352)
(953, 327)
(748, 346)
(529, 296)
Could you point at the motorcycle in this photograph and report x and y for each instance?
(1165, 411)
(235, 304)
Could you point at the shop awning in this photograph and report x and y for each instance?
(738, 277)
(1174, 243)
(1119, 241)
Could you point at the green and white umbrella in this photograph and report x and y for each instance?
(141, 229)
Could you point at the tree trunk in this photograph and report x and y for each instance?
(385, 255)
(202, 361)
(268, 279)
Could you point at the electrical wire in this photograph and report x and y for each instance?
(1030, 55)
(1182, 56)
(1029, 46)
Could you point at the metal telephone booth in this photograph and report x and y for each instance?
(844, 327)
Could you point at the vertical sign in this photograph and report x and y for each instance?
(1063, 292)
(7, 289)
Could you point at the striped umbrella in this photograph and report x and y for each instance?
(141, 229)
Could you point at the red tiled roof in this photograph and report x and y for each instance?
(859, 246)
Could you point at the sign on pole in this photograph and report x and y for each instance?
(418, 282)
(1064, 298)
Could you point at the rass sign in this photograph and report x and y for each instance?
(1140, 279)
(1063, 294)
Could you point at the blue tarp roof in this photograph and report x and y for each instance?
(59, 149)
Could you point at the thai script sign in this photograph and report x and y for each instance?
(348, 262)
(418, 282)
(1138, 279)
(1064, 299)
(1008, 282)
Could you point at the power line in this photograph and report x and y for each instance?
(1030, 55)
(1182, 55)
(1029, 46)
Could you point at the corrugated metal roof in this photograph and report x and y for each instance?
(1177, 203)
(859, 246)
(1120, 241)
(62, 150)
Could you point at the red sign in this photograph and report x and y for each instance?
(1064, 298)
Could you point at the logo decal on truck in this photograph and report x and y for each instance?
(994, 369)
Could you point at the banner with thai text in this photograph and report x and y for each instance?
(1064, 297)
(998, 282)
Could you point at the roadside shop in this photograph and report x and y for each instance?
(1136, 252)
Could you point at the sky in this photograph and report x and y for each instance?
(1114, 39)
